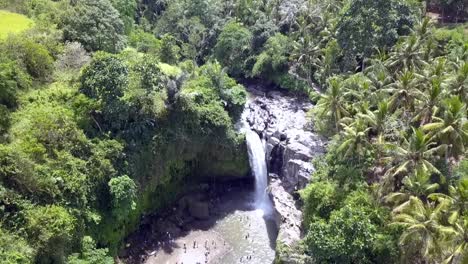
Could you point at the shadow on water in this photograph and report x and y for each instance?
(230, 205)
(272, 229)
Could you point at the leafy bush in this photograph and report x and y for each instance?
(127, 10)
(170, 51)
(233, 47)
(105, 80)
(123, 192)
(51, 228)
(320, 199)
(90, 254)
(370, 24)
(13, 79)
(274, 58)
(14, 249)
(144, 42)
(34, 57)
(354, 233)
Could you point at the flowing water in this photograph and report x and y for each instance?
(259, 169)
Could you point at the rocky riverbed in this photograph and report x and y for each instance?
(221, 220)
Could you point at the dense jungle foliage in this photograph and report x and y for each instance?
(105, 106)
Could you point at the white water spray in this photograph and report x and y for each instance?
(257, 160)
(259, 169)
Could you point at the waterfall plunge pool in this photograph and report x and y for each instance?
(237, 232)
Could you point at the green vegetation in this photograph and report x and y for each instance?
(11, 23)
(399, 134)
(112, 109)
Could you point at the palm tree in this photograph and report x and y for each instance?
(459, 83)
(430, 102)
(379, 76)
(405, 91)
(407, 55)
(376, 119)
(452, 129)
(355, 140)
(415, 153)
(423, 230)
(307, 56)
(455, 206)
(459, 244)
(333, 103)
(455, 202)
(418, 184)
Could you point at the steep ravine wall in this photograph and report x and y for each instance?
(169, 173)
(290, 146)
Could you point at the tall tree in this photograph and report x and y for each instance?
(370, 24)
(96, 24)
(332, 104)
(422, 228)
(233, 47)
(452, 128)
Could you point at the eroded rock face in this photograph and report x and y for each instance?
(290, 145)
(290, 142)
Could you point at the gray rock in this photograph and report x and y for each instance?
(296, 150)
(291, 145)
(199, 210)
(289, 217)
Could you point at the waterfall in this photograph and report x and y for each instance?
(259, 169)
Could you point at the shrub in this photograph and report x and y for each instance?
(355, 233)
(233, 47)
(123, 192)
(51, 228)
(274, 58)
(12, 80)
(74, 57)
(14, 249)
(34, 57)
(320, 199)
(144, 42)
(90, 254)
(170, 51)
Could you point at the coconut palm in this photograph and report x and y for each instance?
(415, 153)
(407, 55)
(405, 91)
(376, 119)
(455, 202)
(455, 205)
(459, 243)
(429, 102)
(306, 55)
(459, 83)
(355, 140)
(379, 76)
(418, 184)
(423, 230)
(333, 103)
(452, 129)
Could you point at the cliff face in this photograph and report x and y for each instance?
(166, 171)
(290, 146)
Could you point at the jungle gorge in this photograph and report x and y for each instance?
(233, 131)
